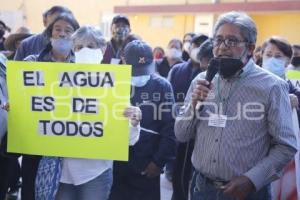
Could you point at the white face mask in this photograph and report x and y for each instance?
(88, 56)
(140, 81)
(194, 54)
(187, 46)
(174, 53)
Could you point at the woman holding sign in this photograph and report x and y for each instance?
(59, 49)
(74, 178)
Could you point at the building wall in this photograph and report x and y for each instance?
(160, 34)
(282, 24)
(93, 12)
(86, 11)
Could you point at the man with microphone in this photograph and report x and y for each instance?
(241, 119)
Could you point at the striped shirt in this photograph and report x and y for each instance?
(258, 138)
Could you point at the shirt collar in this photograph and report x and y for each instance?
(247, 68)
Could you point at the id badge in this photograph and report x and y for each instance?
(216, 120)
(115, 61)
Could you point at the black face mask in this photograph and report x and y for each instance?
(228, 67)
(296, 61)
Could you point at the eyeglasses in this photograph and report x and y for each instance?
(229, 42)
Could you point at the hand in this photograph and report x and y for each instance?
(200, 92)
(294, 101)
(134, 114)
(239, 187)
(152, 170)
(5, 107)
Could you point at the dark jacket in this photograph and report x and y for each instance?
(111, 52)
(45, 56)
(294, 90)
(31, 46)
(180, 77)
(157, 117)
(163, 67)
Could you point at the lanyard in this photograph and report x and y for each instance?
(223, 102)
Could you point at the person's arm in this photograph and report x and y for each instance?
(166, 148)
(167, 144)
(283, 139)
(186, 121)
(3, 112)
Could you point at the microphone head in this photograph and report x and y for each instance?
(213, 68)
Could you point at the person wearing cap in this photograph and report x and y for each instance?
(36, 43)
(139, 178)
(120, 29)
(13, 41)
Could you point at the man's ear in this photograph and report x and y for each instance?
(251, 48)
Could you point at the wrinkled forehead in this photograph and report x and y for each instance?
(228, 30)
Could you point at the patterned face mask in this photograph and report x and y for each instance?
(120, 33)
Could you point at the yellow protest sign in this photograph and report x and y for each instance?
(68, 110)
(294, 77)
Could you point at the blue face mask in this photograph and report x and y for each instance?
(275, 65)
(140, 81)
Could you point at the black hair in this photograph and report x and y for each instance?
(205, 50)
(65, 17)
(190, 34)
(282, 44)
(56, 9)
(199, 39)
(176, 40)
(296, 46)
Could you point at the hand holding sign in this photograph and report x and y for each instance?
(134, 114)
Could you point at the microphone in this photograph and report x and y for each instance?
(212, 69)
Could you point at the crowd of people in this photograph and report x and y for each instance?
(227, 137)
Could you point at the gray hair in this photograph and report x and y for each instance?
(86, 34)
(241, 20)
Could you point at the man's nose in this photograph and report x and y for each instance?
(62, 34)
(223, 45)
